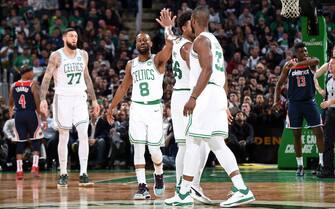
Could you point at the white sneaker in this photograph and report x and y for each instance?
(238, 198)
(180, 199)
(197, 194)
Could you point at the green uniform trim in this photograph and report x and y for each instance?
(212, 83)
(158, 101)
(134, 141)
(180, 141)
(185, 89)
(214, 133)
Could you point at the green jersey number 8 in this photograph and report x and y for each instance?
(144, 89)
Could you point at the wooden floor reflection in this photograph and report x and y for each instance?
(272, 188)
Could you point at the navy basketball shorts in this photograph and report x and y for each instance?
(27, 125)
(298, 110)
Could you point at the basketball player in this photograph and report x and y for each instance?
(180, 95)
(207, 111)
(24, 96)
(68, 67)
(145, 73)
(329, 105)
(301, 102)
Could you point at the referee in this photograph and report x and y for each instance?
(329, 105)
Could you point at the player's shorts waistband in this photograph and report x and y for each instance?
(157, 101)
(181, 89)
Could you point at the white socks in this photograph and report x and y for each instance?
(185, 186)
(35, 160)
(321, 159)
(18, 165)
(300, 161)
(140, 174)
(180, 161)
(83, 149)
(238, 182)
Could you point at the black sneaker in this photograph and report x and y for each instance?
(84, 180)
(317, 170)
(159, 185)
(62, 180)
(142, 193)
(300, 171)
(325, 173)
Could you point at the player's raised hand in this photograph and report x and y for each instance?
(95, 108)
(44, 107)
(167, 21)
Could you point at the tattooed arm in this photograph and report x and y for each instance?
(89, 85)
(53, 63)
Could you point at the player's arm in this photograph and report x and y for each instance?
(11, 101)
(36, 93)
(89, 85)
(120, 92)
(309, 62)
(53, 63)
(202, 47)
(185, 53)
(166, 21)
(281, 81)
(321, 71)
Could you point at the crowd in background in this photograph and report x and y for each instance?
(256, 40)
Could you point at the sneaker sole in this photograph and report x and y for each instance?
(240, 202)
(62, 186)
(179, 204)
(86, 184)
(142, 198)
(200, 197)
(159, 192)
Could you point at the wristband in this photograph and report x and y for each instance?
(193, 97)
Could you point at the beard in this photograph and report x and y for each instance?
(71, 46)
(143, 51)
(193, 30)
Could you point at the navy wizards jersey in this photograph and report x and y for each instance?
(301, 84)
(23, 96)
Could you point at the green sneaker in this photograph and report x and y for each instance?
(180, 199)
(62, 180)
(84, 181)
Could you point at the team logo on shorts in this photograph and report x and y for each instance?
(149, 62)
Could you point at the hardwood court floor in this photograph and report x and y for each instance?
(114, 189)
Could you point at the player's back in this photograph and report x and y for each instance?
(218, 71)
(23, 96)
(180, 69)
(301, 84)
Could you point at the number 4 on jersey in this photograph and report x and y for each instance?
(22, 101)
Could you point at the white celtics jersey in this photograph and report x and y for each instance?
(218, 75)
(147, 81)
(69, 76)
(179, 66)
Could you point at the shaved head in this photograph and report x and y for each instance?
(143, 43)
(141, 34)
(201, 15)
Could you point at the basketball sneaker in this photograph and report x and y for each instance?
(180, 199)
(19, 175)
(142, 193)
(159, 187)
(197, 194)
(317, 170)
(300, 171)
(35, 171)
(62, 180)
(232, 191)
(85, 181)
(242, 196)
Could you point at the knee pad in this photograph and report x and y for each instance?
(156, 154)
